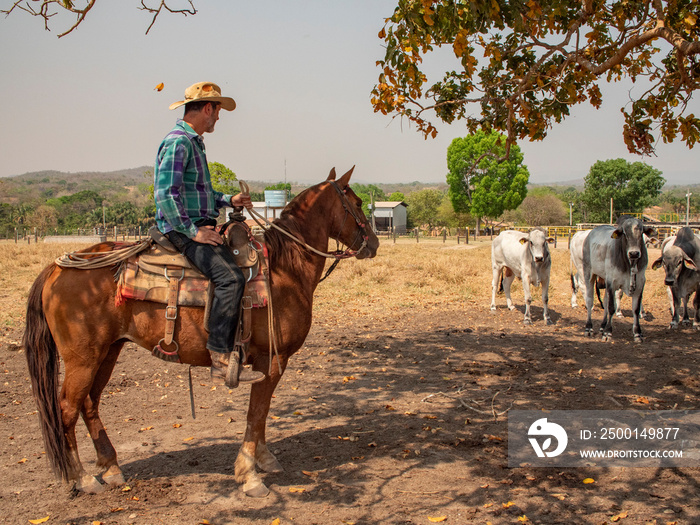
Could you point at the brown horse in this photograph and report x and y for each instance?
(72, 313)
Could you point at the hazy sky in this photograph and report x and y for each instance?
(301, 73)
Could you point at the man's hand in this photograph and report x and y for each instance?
(208, 235)
(242, 199)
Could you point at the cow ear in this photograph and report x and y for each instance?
(689, 263)
(550, 240)
(616, 233)
(523, 240)
(657, 263)
(649, 231)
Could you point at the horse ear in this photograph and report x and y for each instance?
(331, 175)
(345, 179)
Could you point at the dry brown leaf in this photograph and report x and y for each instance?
(523, 519)
(509, 504)
(276, 521)
(176, 425)
(297, 489)
(437, 519)
(40, 520)
(159, 87)
(588, 481)
(643, 400)
(23, 460)
(620, 516)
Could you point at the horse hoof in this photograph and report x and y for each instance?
(258, 490)
(270, 465)
(90, 485)
(114, 480)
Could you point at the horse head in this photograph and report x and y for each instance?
(349, 223)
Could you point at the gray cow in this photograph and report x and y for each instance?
(618, 255)
(680, 258)
(526, 256)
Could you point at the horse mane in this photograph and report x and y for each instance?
(283, 250)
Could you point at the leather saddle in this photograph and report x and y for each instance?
(163, 275)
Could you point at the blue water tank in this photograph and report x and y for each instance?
(275, 198)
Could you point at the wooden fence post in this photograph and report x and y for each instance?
(467, 235)
(569, 245)
(416, 232)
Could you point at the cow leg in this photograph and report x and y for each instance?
(589, 294)
(528, 299)
(686, 317)
(494, 286)
(636, 311)
(575, 285)
(618, 303)
(696, 305)
(545, 301)
(675, 310)
(609, 302)
(508, 279)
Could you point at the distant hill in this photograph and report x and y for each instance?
(41, 185)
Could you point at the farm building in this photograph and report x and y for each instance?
(388, 215)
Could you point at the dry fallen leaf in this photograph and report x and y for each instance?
(588, 481)
(159, 87)
(40, 520)
(437, 519)
(297, 489)
(509, 504)
(23, 460)
(642, 399)
(276, 521)
(176, 425)
(523, 519)
(618, 517)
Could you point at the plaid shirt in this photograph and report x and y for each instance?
(182, 183)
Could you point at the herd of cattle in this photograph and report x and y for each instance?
(610, 257)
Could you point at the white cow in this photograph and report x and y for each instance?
(526, 256)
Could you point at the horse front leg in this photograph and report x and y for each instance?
(254, 450)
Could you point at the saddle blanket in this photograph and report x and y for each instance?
(143, 277)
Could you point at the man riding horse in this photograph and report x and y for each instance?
(186, 210)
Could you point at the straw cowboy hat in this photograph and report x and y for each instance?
(206, 91)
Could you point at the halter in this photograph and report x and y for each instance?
(338, 254)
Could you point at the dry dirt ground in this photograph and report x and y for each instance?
(371, 420)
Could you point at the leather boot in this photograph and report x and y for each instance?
(226, 369)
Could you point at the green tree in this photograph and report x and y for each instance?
(423, 207)
(222, 178)
(367, 192)
(524, 63)
(397, 196)
(632, 186)
(74, 211)
(480, 182)
(447, 216)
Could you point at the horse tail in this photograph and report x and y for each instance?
(43, 364)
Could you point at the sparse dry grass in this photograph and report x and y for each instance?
(403, 275)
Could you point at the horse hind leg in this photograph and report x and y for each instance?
(106, 462)
(75, 390)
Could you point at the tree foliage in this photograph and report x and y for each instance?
(632, 186)
(47, 9)
(524, 63)
(423, 207)
(222, 178)
(479, 183)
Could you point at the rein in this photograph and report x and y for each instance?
(337, 254)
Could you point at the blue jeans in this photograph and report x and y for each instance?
(216, 262)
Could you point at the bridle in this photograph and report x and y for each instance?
(338, 254)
